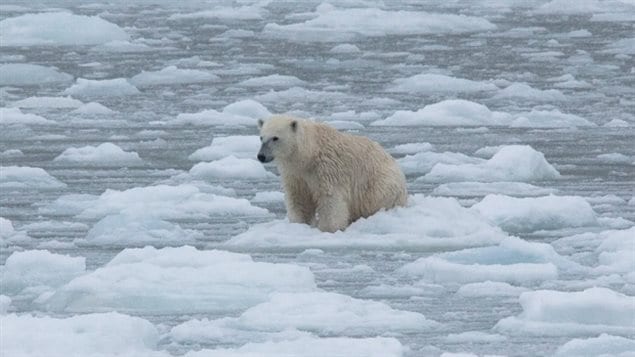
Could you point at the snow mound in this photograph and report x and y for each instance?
(185, 201)
(513, 261)
(519, 215)
(426, 222)
(333, 24)
(430, 83)
(179, 280)
(272, 81)
(136, 230)
(106, 154)
(108, 334)
(516, 163)
(172, 76)
(603, 345)
(58, 28)
(242, 147)
(88, 88)
(324, 313)
(23, 177)
(242, 113)
(22, 74)
(47, 102)
(523, 91)
(453, 112)
(473, 189)
(423, 162)
(10, 116)
(582, 313)
(230, 167)
(38, 268)
(549, 119)
(312, 347)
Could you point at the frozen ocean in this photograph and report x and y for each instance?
(136, 220)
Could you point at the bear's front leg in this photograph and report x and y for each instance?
(333, 213)
(299, 202)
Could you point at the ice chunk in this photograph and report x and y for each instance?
(616, 158)
(106, 154)
(411, 148)
(581, 313)
(137, 230)
(549, 119)
(471, 189)
(179, 280)
(272, 81)
(244, 112)
(617, 123)
(184, 201)
(489, 288)
(430, 83)
(268, 196)
(93, 108)
(119, 46)
(9, 236)
(511, 163)
(453, 112)
(345, 48)
(171, 75)
(615, 252)
(603, 345)
(47, 102)
(108, 334)
(253, 12)
(324, 313)
(426, 222)
(301, 95)
(474, 336)
(36, 268)
(312, 347)
(625, 46)
(88, 88)
(540, 213)
(5, 304)
(585, 7)
(423, 162)
(11, 153)
(230, 167)
(239, 146)
(333, 25)
(58, 28)
(22, 74)
(22, 177)
(15, 116)
(523, 91)
(513, 260)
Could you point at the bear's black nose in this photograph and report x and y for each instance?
(261, 157)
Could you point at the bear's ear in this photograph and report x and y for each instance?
(260, 123)
(294, 125)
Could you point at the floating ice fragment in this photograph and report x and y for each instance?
(106, 155)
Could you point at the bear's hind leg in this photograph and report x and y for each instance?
(333, 214)
(299, 202)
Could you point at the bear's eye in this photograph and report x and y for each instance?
(275, 138)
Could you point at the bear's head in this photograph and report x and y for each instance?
(279, 138)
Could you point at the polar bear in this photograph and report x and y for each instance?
(330, 178)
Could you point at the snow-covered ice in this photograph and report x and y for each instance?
(106, 154)
(21, 177)
(22, 74)
(171, 76)
(239, 146)
(88, 88)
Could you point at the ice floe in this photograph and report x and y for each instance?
(48, 102)
(106, 154)
(272, 81)
(537, 213)
(9, 236)
(58, 28)
(430, 83)
(22, 74)
(549, 119)
(239, 146)
(524, 92)
(14, 116)
(89, 88)
(93, 108)
(423, 162)
(471, 189)
(243, 113)
(171, 75)
(452, 112)
(184, 280)
(513, 261)
(332, 24)
(426, 222)
(490, 288)
(23, 177)
(516, 163)
(603, 345)
(580, 313)
(230, 167)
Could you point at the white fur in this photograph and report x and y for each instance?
(331, 178)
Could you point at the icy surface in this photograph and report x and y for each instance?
(512, 119)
